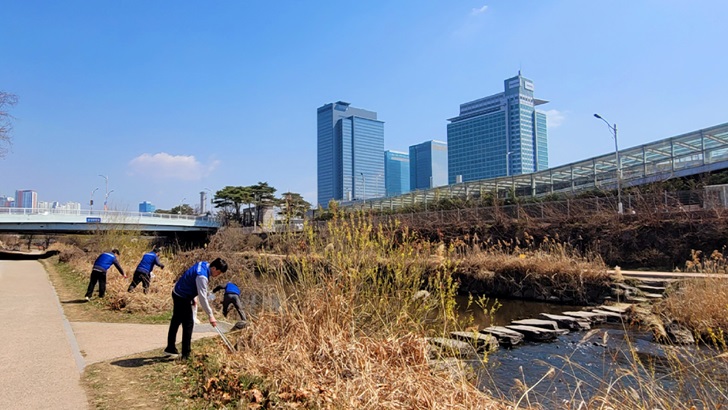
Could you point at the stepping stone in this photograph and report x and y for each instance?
(620, 308)
(546, 324)
(636, 299)
(611, 316)
(653, 295)
(568, 321)
(537, 334)
(624, 286)
(590, 316)
(505, 336)
(651, 289)
(481, 341)
(456, 368)
(451, 347)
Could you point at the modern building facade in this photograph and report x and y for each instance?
(499, 135)
(26, 199)
(396, 173)
(428, 165)
(147, 207)
(350, 163)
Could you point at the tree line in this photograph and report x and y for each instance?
(246, 205)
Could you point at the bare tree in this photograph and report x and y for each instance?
(7, 100)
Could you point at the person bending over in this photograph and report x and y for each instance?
(232, 297)
(192, 283)
(98, 272)
(143, 272)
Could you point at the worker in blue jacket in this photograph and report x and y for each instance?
(143, 272)
(232, 297)
(98, 273)
(192, 283)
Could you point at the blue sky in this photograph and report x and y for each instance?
(168, 98)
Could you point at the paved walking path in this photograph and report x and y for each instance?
(42, 355)
(38, 360)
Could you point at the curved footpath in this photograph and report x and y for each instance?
(42, 355)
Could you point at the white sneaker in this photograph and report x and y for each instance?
(88, 299)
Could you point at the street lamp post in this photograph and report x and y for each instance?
(508, 163)
(210, 191)
(106, 198)
(181, 203)
(91, 200)
(613, 128)
(364, 186)
(107, 188)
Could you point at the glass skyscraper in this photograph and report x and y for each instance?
(428, 165)
(499, 135)
(396, 172)
(350, 146)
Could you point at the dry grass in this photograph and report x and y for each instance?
(349, 336)
(701, 305)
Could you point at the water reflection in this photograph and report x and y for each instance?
(581, 364)
(510, 310)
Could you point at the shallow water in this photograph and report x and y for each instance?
(584, 363)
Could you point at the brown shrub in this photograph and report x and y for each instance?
(701, 305)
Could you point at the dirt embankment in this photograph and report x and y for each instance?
(633, 241)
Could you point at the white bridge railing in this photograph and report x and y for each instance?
(85, 216)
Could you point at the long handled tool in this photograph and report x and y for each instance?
(225, 339)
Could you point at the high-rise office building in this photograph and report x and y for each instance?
(428, 164)
(146, 207)
(26, 199)
(499, 135)
(350, 146)
(396, 172)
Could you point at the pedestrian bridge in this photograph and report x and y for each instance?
(42, 221)
(694, 153)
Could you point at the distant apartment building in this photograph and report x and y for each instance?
(147, 207)
(7, 201)
(350, 143)
(57, 206)
(26, 199)
(499, 135)
(396, 173)
(428, 165)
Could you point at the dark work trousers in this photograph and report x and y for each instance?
(142, 277)
(181, 315)
(100, 277)
(233, 299)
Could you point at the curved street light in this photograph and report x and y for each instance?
(91, 200)
(107, 188)
(613, 129)
(106, 198)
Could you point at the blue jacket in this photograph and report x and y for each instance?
(229, 288)
(149, 260)
(186, 286)
(104, 262)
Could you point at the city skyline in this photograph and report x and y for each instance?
(169, 99)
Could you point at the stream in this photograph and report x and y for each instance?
(585, 363)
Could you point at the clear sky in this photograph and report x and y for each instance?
(168, 98)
